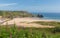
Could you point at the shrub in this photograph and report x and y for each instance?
(56, 29)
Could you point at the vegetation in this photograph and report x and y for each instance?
(21, 32)
(11, 14)
(53, 23)
(13, 31)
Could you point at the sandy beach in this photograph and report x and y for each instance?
(18, 20)
(25, 22)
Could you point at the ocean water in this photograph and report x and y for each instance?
(51, 15)
(55, 16)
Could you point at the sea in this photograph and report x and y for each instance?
(48, 15)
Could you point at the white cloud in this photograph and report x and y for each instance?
(2, 5)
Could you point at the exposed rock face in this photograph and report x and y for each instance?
(39, 15)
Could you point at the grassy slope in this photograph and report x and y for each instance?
(15, 14)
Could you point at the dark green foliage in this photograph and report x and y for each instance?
(56, 30)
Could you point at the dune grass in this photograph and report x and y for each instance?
(53, 23)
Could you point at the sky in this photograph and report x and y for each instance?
(31, 5)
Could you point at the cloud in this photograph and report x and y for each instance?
(3, 5)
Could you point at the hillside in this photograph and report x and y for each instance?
(10, 14)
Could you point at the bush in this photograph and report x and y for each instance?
(56, 29)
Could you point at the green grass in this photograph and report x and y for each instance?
(21, 32)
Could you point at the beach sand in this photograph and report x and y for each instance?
(25, 22)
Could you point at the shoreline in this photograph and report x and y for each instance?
(42, 19)
(28, 19)
(27, 22)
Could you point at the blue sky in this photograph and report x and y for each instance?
(31, 5)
